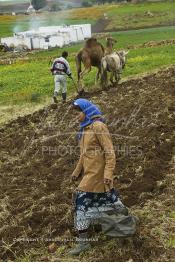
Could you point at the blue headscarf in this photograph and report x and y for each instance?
(91, 111)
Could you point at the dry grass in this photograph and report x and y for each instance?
(94, 12)
(11, 112)
(7, 18)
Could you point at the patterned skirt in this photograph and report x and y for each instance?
(88, 207)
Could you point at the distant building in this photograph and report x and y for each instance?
(49, 37)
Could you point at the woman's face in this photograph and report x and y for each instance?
(81, 116)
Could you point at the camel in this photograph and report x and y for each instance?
(110, 45)
(91, 55)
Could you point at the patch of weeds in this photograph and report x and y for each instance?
(32, 255)
(171, 242)
(61, 250)
(172, 214)
(35, 97)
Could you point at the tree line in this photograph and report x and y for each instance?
(38, 4)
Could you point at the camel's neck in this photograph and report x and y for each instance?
(109, 50)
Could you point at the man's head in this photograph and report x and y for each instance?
(65, 54)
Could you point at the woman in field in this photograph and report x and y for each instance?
(95, 193)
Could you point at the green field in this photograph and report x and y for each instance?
(120, 17)
(14, 24)
(24, 80)
(135, 16)
(29, 82)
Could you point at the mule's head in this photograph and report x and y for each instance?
(123, 55)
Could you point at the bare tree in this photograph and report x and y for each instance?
(38, 4)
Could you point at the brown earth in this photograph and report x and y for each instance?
(153, 44)
(102, 23)
(38, 154)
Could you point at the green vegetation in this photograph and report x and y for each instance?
(30, 80)
(120, 17)
(171, 242)
(141, 15)
(13, 24)
(143, 35)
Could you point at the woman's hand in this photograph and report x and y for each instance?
(107, 181)
(74, 178)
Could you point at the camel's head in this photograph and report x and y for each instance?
(91, 42)
(110, 41)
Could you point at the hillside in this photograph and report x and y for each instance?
(108, 17)
(38, 146)
(66, 3)
(10, 6)
(148, 51)
(38, 154)
(21, 6)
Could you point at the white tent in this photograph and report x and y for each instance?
(16, 41)
(56, 41)
(50, 36)
(85, 29)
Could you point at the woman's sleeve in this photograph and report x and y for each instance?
(104, 139)
(79, 167)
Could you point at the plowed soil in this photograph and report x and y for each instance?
(38, 153)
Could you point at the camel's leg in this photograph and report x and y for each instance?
(81, 76)
(83, 73)
(104, 80)
(97, 76)
(117, 77)
(111, 78)
(79, 84)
